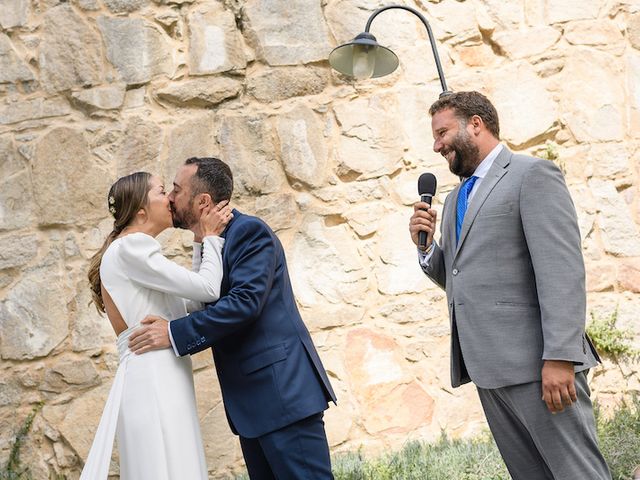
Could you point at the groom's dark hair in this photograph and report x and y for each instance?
(213, 176)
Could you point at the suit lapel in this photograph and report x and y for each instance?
(495, 173)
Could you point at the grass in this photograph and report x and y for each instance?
(619, 436)
(479, 459)
(443, 460)
(609, 339)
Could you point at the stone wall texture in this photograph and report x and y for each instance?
(93, 89)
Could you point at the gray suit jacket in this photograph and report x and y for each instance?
(515, 282)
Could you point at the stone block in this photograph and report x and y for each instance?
(215, 44)
(34, 316)
(373, 147)
(109, 97)
(71, 186)
(70, 52)
(136, 48)
(305, 40)
(140, 148)
(272, 85)
(12, 68)
(200, 92)
(619, 233)
(518, 44)
(247, 144)
(17, 250)
(14, 13)
(517, 88)
(303, 147)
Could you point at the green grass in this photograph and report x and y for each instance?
(445, 459)
(479, 459)
(619, 436)
(609, 339)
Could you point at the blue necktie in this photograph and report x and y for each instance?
(463, 200)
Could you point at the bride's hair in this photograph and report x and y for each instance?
(126, 197)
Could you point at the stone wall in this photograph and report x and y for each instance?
(93, 89)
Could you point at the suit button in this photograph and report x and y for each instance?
(202, 339)
(455, 271)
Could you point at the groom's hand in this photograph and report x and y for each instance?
(152, 335)
(558, 385)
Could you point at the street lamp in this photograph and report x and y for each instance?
(364, 58)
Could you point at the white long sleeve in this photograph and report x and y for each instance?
(143, 262)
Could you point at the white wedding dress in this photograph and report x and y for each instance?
(151, 406)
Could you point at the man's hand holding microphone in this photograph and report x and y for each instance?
(423, 221)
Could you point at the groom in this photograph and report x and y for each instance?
(273, 384)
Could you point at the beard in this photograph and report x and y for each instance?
(183, 219)
(466, 155)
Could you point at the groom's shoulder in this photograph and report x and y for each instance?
(244, 222)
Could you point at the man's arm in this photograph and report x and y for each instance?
(553, 238)
(252, 262)
(252, 269)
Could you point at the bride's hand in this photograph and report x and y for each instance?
(213, 220)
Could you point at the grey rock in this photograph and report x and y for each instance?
(34, 316)
(247, 145)
(17, 250)
(125, 6)
(136, 48)
(279, 211)
(195, 137)
(71, 187)
(200, 92)
(89, 329)
(13, 13)
(303, 146)
(304, 40)
(15, 187)
(140, 147)
(109, 97)
(70, 52)
(34, 109)
(12, 68)
(215, 44)
(326, 267)
(272, 85)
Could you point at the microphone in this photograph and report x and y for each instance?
(426, 189)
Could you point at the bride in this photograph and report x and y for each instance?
(151, 406)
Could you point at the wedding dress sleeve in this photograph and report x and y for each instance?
(196, 261)
(144, 263)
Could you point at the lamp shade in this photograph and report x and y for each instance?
(363, 58)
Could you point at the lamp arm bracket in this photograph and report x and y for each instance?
(429, 32)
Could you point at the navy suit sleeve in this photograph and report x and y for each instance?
(252, 265)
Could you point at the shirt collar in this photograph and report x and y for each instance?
(485, 165)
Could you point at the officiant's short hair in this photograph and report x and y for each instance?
(213, 176)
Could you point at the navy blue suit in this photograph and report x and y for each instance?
(270, 374)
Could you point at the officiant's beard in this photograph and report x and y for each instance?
(467, 155)
(184, 219)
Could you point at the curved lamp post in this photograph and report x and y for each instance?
(364, 58)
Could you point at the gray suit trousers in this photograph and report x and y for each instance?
(538, 445)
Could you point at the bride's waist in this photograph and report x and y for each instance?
(124, 352)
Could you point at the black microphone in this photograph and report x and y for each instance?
(426, 189)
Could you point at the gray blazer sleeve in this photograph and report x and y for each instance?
(553, 238)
